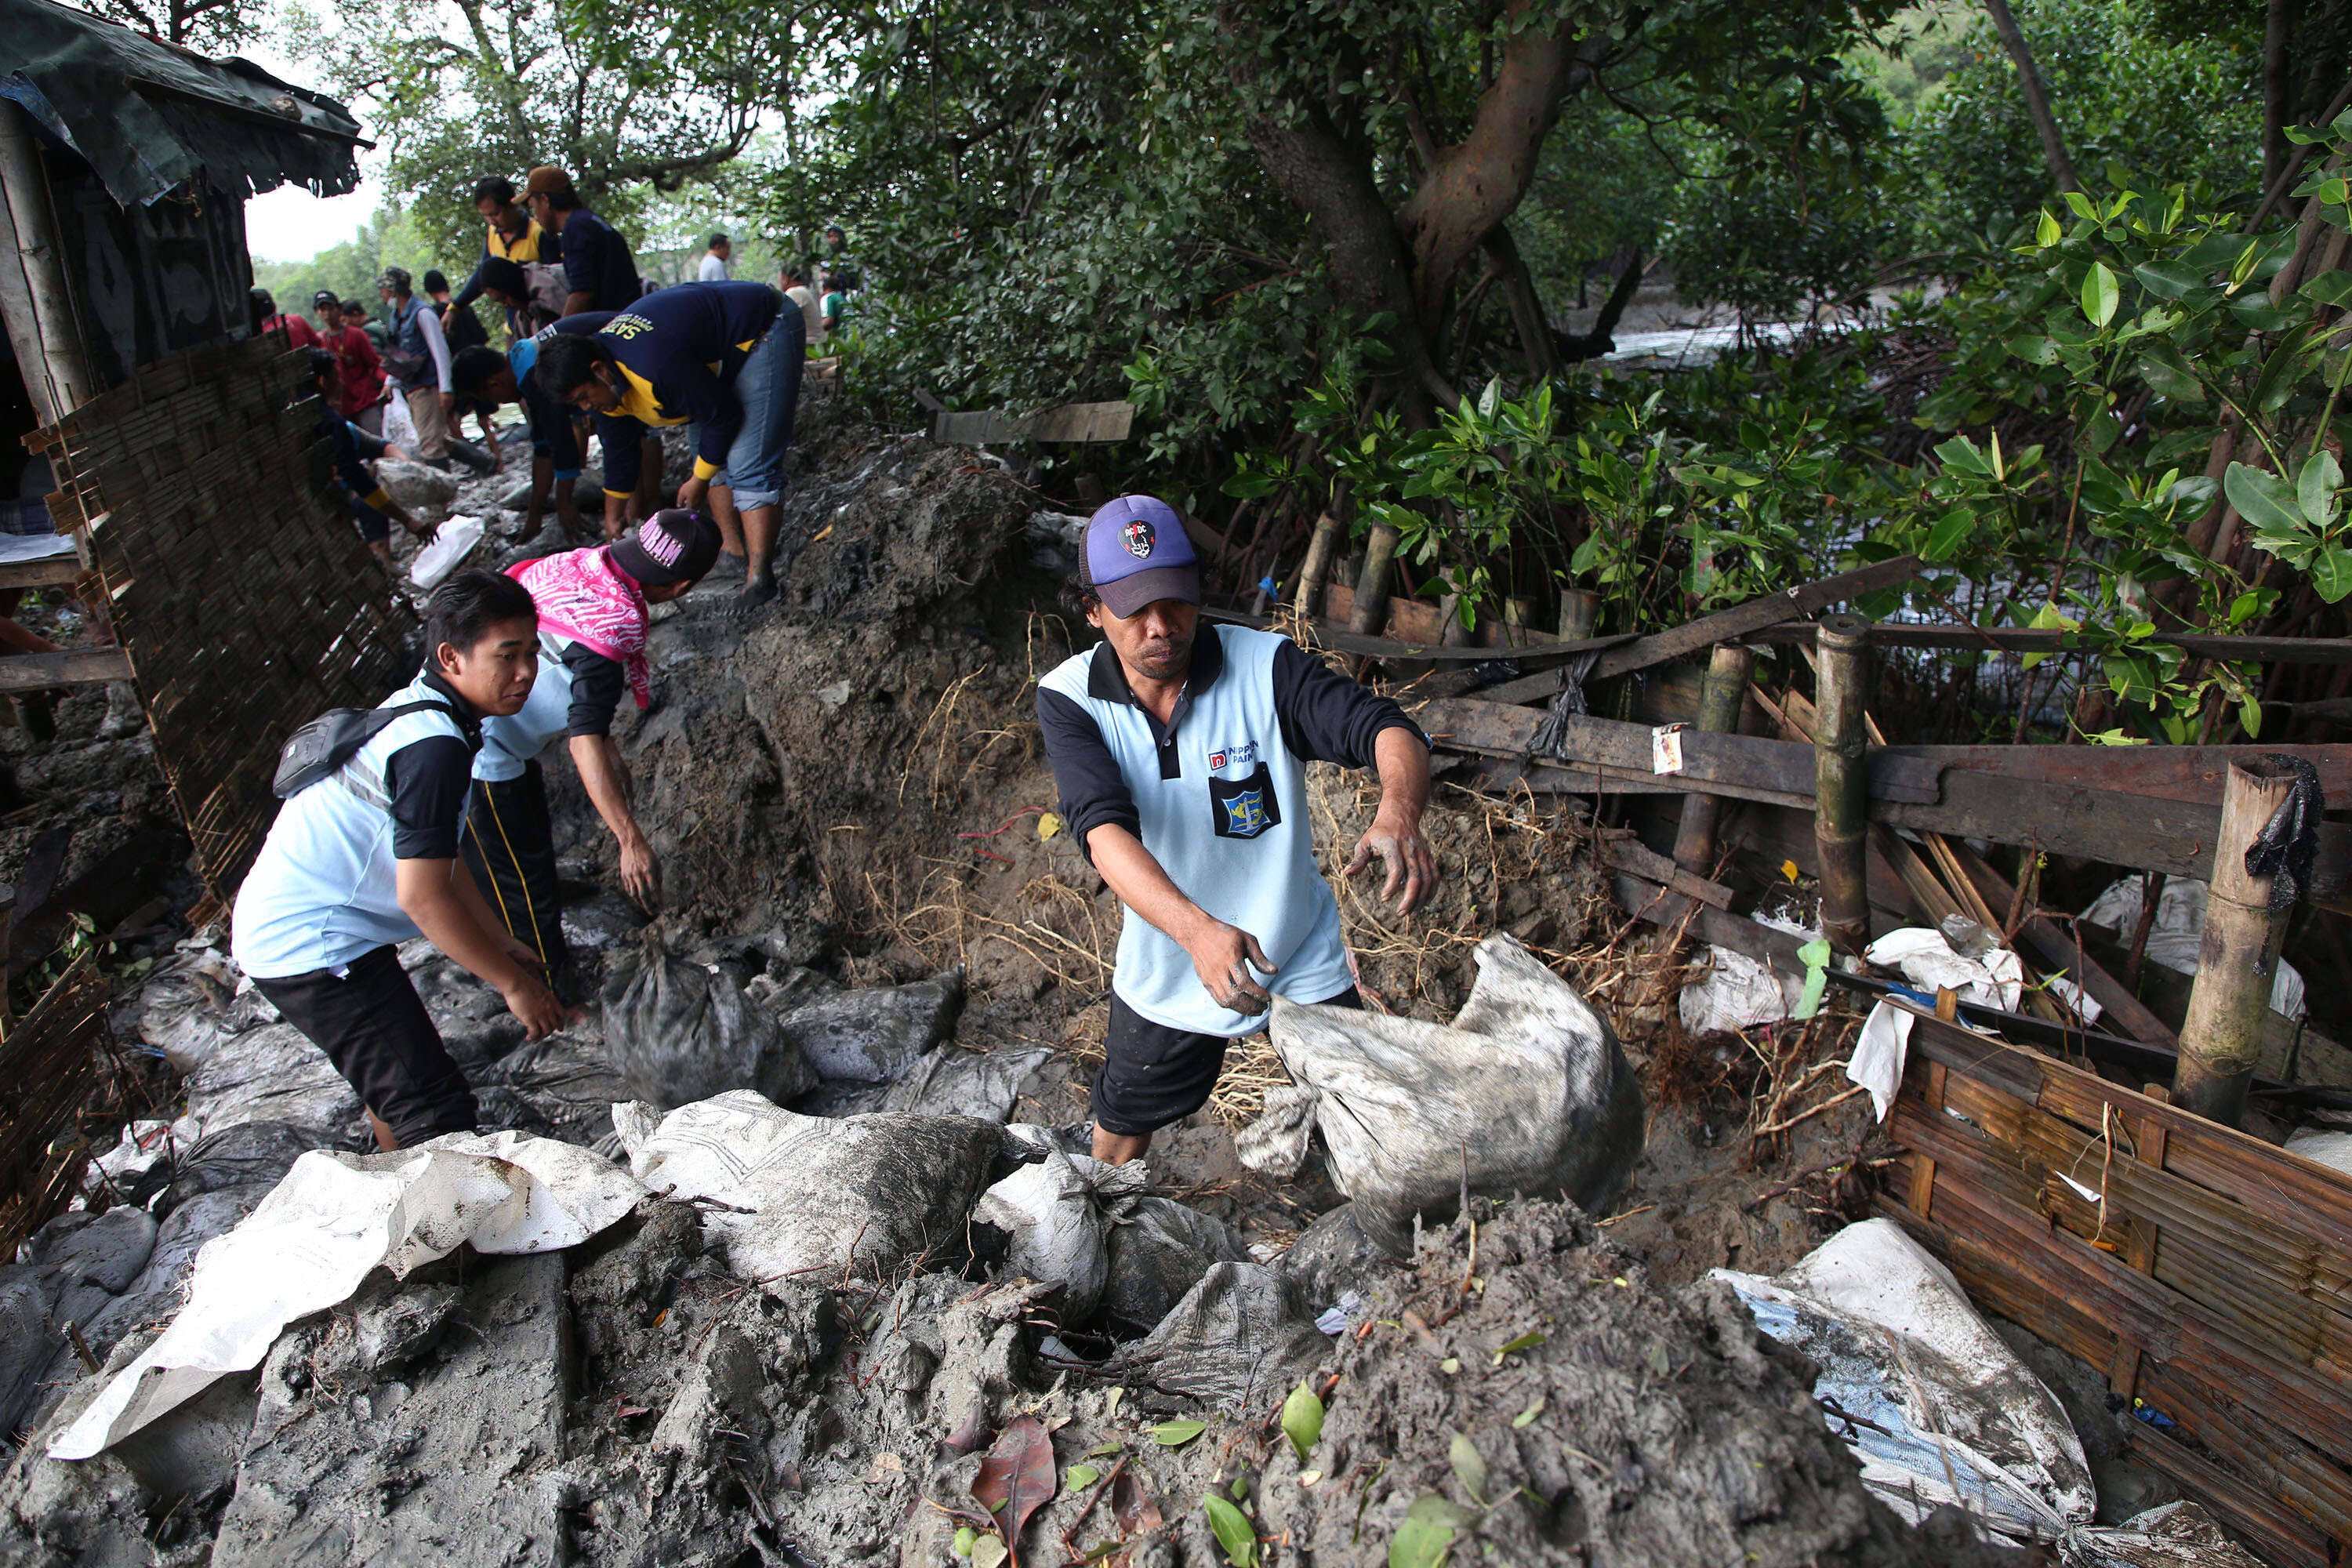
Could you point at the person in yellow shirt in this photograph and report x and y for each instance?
(513, 236)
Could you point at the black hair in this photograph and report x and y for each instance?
(322, 363)
(566, 360)
(435, 281)
(1078, 595)
(463, 610)
(505, 275)
(497, 185)
(354, 308)
(564, 201)
(473, 367)
(264, 307)
(717, 239)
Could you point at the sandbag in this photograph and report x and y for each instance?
(572, 1084)
(682, 1032)
(1055, 1212)
(1333, 1257)
(193, 1003)
(874, 1035)
(272, 1074)
(806, 1194)
(1156, 1251)
(423, 491)
(251, 1154)
(1238, 1343)
(1528, 1089)
(26, 1347)
(966, 1083)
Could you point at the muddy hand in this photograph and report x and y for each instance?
(1223, 960)
(1412, 863)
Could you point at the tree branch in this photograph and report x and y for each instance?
(2037, 97)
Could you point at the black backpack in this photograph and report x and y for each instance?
(334, 738)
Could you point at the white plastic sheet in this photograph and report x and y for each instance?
(318, 1234)
(2179, 931)
(1926, 960)
(448, 551)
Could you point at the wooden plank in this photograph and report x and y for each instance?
(2283, 1536)
(2024, 641)
(1632, 855)
(1069, 422)
(56, 572)
(68, 666)
(1728, 626)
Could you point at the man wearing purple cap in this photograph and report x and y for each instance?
(594, 608)
(1181, 752)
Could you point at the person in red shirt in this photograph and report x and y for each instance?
(360, 368)
(266, 319)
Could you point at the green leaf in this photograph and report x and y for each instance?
(964, 1538)
(1427, 1533)
(1528, 1416)
(2264, 499)
(2328, 289)
(2100, 294)
(2281, 370)
(2047, 232)
(2169, 279)
(1236, 1536)
(1944, 541)
(2331, 575)
(2164, 369)
(1176, 1434)
(2034, 349)
(1527, 1340)
(1080, 1476)
(1302, 1420)
(1470, 1465)
(2316, 484)
(1249, 485)
(1964, 454)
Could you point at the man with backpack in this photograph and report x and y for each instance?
(416, 356)
(594, 609)
(365, 855)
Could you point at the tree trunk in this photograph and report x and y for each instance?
(2037, 97)
(1536, 342)
(2278, 27)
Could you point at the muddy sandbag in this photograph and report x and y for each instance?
(966, 1083)
(1238, 1341)
(682, 1032)
(251, 1154)
(1527, 1089)
(569, 1082)
(26, 1347)
(423, 491)
(1332, 1258)
(805, 1193)
(1055, 1214)
(190, 1004)
(874, 1035)
(272, 1074)
(1157, 1250)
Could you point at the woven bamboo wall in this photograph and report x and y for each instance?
(240, 589)
(48, 1063)
(2208, 1272)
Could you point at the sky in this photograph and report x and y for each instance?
(289, 224)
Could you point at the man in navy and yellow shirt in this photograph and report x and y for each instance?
(723, 357)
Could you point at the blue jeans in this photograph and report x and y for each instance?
(768, 388)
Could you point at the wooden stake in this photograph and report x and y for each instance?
(1719, 704)
(2222, 1039)
(1371, 611)
(1841, 806)
(1580, 612)
(1321, 549)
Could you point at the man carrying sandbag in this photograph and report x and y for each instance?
(363, 856)
(1181, 752)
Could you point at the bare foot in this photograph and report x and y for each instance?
(756, 593)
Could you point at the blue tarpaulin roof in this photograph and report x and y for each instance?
(149, 117)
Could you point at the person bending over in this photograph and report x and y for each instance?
(495, 378)
(1181, 752)
(726, 357)
(372, 509)
(367, 858)
(593, 613)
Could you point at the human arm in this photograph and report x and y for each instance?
(1222, 955)
(606, 779)
(620, 437)
(1325, 717)
(473, 288)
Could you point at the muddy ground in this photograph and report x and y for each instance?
(849, 791)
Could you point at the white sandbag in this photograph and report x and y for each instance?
(806, 1193)
(1527, 1089)
(2328, 1148)
(2179, 932)
(336, 1217)
(1055, 1212)
(450, 546)
(1900, 1347)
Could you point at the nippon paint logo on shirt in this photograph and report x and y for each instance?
(1244, 756)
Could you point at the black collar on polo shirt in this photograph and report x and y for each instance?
(468, 719)
(1106, 682)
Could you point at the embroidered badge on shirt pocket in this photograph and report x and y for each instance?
(1244, 808)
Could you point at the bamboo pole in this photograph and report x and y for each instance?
(1371, 611)
(1580, 612)
(1841, 806)
(1719, 704)
(2222, 1039)
(1322, 548)
(61, 382)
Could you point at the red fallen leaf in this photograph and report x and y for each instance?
(1132, 1506)
(1016, 1479)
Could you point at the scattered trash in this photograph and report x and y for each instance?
(1739, 991)
(1979, 969)
(320, 1232)
(795, 1195)
(2177, 933)
(1527, 1092)
(682, 1032)
(450, 546)
(1936, 1408)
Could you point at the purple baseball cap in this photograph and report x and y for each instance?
(672, 546)
(1137, 553)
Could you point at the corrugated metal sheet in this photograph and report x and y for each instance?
(149, 118)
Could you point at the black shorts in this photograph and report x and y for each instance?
(1152, 1074)
(374, 1028)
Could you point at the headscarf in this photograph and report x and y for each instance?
(584, 596)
